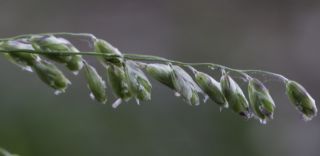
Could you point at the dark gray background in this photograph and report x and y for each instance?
(279, 36)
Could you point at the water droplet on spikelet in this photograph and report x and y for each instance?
(58, 92)
(137, 101)
(75, 72)
(205, 99)
(226, 105)
(27, 68)
(116, 103)
(263, 121)
(92, 96)
(177, 94)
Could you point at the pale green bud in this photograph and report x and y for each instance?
(95, 83)
(76, 62)
(260, 100)
(56, 44)
(235, 96)
(211, 87)
(22, 59)
(52, 44)
(118, 81)
(185, 86)
(51, 75)
(139, 83)
(104, 47)
(301, 99)
(162, 73)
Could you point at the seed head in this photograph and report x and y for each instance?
(139, 83)
(95, 83)
(235, 96)
(104, 47)
(51, 75)
(211, 87)
(184, 84)
(22, 59)
(162, 73)
(76, 62)
(118, 81)
(260, 100)
(55, 44)
(301, 99)
(49, 44)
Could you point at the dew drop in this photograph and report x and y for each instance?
(226, 105)
(58, 92)
(117, 103)
(205, 99)
(177, 94)
(27, 68)
(75, 72)
(263, 121)
(137, 101)
(92, 96)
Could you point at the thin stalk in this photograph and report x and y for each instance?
(91, 36)
(141, 57)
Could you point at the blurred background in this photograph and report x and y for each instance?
(279, 36)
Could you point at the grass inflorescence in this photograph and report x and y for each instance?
(127, 75)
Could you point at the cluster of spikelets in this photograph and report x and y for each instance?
(128, 81)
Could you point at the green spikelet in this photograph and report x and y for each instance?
(301, 99)
(235, 96)
(51, 75)
(104, 47)
(185, 86)
(22, 59)
(211, 87)
(95, 83)
(260, 100)
(139, 83)
(162, 73)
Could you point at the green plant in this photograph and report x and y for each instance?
(34, 52)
